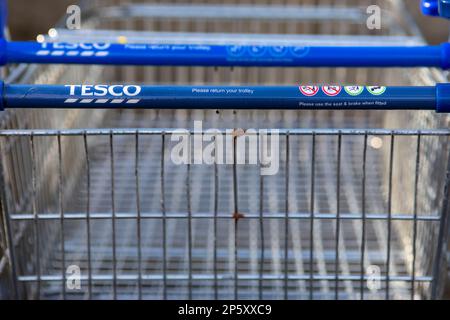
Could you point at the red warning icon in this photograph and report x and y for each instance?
(309, 91)
(331, 91)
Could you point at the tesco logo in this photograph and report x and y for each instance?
(76, 46)
(103, 90)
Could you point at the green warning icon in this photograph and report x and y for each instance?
(376, 90)
(354, 90)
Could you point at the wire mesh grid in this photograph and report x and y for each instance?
(142, 226)
(352, 213)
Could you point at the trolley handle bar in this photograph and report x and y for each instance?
(224, 55)
(226, 97)
(436, 8)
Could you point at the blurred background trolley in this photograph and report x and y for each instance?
(358, 209)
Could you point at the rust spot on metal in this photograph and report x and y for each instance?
(238, 132)
(237, 216)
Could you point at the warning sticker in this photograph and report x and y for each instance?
(236, 51)
(299, 52)
(354, 90)
(278, 51)
(376, 90)
(257, 51)
(331, 90)
(309, 91)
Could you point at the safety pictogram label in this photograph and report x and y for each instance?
(376, 90)
(331, 90)
(309, 91)
(257, 51)
(354, 90)
(299, 52)
(278, 51)
(236, 51)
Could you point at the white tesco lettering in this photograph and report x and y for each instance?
(112, 91)
(103, 90)
(126, 90)
(86, 91)
(75, 46)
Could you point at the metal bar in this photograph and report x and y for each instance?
(138, 220)
(312, 217)
(338, 219)
(189, 209)
(286, 221)
(35, 220)
(414, 244)
(364, 217)
(61, 211)
(216, 212)
(168, 131)
(217, 37)
(225, 276)
(178, 215)
(236, 216)
(260, 12)
(389, 219)
(261, 234)
(88, 213)
(164, 218)
(157, 54)
(226, 97)
(113, 220)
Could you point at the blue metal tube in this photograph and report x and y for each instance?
(221, 97)
(3, 18)
(224, 55)
(430, 7)
(436, 8)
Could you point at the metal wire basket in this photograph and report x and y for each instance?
(355, 211)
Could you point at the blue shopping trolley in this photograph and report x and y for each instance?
(124, 167)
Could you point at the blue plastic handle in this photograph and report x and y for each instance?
(444, 8)
(3, 18)
(224, 97)
(224, 55)
(436, 8)
(430, 7)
